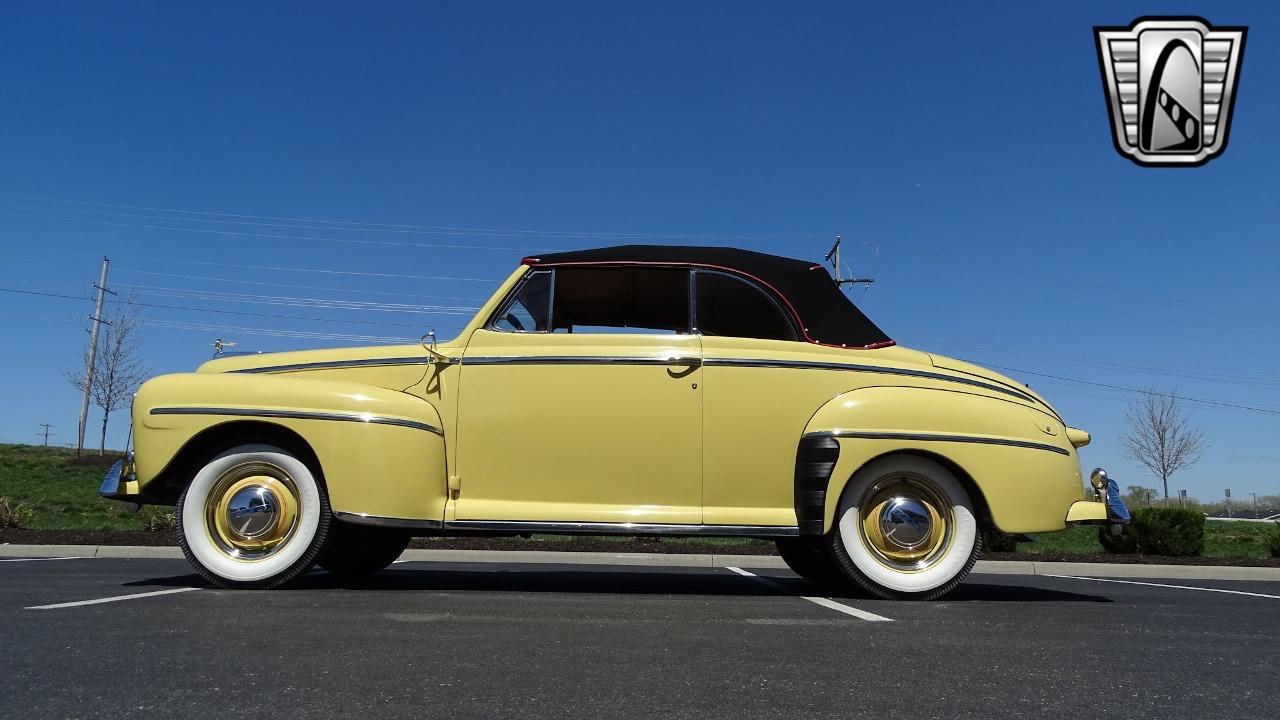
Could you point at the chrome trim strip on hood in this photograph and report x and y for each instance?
(299, 415)
(332, 364)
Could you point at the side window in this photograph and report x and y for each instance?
(621, 299)
(731, 307)
(528, 310)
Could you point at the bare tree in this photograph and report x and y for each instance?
(118, 369)
(1160, 436)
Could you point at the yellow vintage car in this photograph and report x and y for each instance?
(635, 390)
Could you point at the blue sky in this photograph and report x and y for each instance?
(964, 154)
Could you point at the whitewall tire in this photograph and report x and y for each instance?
(254, 516)
(906, 528)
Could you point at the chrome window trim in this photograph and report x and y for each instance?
(607, 528)
(787, 317)
(299, 415)
(871, 435)
(491, 323)
(333, 364)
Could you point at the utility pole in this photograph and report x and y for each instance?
(47, 427)
(93, 352)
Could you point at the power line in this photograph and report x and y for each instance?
(424, 229)
(237, 281)
(275, 236)
(1218, 403)
(304, 302)
(277, 332)
(221, 312)
(275, 268)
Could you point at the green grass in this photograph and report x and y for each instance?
(61, 493)
(1221, 539)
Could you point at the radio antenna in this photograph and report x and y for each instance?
(833, 257)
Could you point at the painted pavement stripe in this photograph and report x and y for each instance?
(116, 598)
(824, 602)
(1162, 585)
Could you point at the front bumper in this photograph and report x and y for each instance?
(120, 482)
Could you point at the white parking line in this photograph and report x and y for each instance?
(824, 602)
(116, 598)
(39, 559)
(1177, 587)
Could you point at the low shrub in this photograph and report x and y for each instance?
(1273, 540)
(1158, 531)
(158, 519)
(14, 514)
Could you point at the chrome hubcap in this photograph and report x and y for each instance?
(905, 523)
(252, 512)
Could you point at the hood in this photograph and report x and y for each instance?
(317, 358)
(946, 363)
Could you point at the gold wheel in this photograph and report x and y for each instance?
(906, 522)
(251, 510)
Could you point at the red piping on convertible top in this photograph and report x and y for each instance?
(531, 261)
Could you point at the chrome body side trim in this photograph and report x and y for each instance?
(299, 415)
(738, 362)
(684, 360)
(334, 364)
(870, 435)
(603, 528)
(386, 522)
(907, 372)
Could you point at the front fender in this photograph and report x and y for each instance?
(381, 452)
(1018, 458)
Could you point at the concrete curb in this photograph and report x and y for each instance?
(984, 567)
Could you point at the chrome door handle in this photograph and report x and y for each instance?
(685, 361)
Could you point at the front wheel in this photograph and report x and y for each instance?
(906, 529)
(254, 516)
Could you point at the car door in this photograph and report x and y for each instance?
(755, 408)
(581, 401)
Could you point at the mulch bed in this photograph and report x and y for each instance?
(586, 544)
(87, 537)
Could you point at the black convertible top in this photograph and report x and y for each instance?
(824, 312)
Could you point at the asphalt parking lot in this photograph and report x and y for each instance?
(485, 640)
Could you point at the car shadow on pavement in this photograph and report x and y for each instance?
(616, 581)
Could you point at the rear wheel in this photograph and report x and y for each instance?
(906, 529)
(355, 551)
(254, 516)
(811, 560)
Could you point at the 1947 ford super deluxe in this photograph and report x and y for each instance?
(638, 390)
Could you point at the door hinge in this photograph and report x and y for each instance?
(455, 484)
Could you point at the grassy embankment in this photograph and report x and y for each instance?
(61, 493)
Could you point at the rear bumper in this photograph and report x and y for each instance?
(1107, 508)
